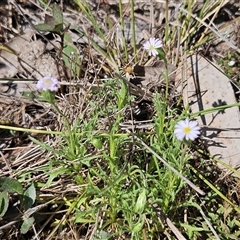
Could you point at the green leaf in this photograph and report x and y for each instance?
(57, 15)
(122, 96)
(45, 27)
(191, 229)
(4, 202)
(58, 28)
(83, 220)
(29, 95)
(45, 146)
(11, 185)
(55, 173)
(141, 201)
(139, 225)
(97, 143)
(29, 196)
(27, 223)
(161, 54)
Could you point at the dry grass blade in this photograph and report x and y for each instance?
(219, 35)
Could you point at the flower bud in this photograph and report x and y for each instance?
(97, 143)
(141, 202)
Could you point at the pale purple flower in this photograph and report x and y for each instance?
(152, 45)
(48, 83)
(186, 129)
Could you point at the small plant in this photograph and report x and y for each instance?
(24, 212)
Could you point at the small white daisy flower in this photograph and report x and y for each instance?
(48, 83)
(186, 129)
(152, 45)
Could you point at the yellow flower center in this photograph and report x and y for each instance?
(47, 82)
(151, 47)
(187, 130)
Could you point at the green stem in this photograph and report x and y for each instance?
(184, 151)
(67, 124)
(167, 80)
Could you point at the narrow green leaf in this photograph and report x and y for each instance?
(45, 146)
(27, 224)
(57, 15)
(97, 142)
(45, 27)
(29, 196)
(141, 202)
(11, 185)
(83, 220)
(29, 95)
(191, 229)
(122, 96)
(58, 28)
(4, 203)
(139, 225)
(55, 173)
